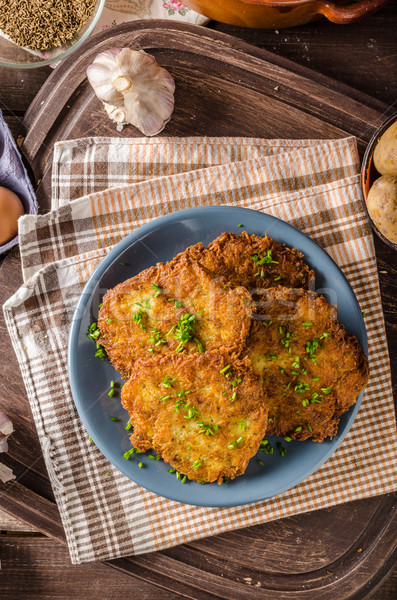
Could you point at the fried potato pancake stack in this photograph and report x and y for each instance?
(224, 344)
(173, 307)
(312, 370)
(203, 413)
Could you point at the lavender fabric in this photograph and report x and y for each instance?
(13, 176)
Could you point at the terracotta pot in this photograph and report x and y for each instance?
(283, 13)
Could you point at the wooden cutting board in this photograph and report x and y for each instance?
(224, 87)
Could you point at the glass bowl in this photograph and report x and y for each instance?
(369, 173)
(14, 56)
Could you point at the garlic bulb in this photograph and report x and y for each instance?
(133, 83)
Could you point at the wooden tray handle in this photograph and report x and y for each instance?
(350, 13)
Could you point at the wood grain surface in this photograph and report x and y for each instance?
(288, 558)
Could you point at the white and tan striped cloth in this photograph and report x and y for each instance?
(312, 184)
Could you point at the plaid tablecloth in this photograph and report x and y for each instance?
(311, 184)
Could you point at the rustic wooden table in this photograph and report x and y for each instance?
(364, 56)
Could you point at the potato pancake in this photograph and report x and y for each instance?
(254, 262)
(312, 370)
(202, 413)
(173, 307)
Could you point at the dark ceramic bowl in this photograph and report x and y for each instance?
(369, 174)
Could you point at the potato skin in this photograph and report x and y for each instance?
(173, 399)
(382, 206)
(385, 154)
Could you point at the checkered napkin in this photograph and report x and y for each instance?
(311, 184)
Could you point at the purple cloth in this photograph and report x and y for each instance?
(13, 176)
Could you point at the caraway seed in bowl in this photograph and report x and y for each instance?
(43, 24)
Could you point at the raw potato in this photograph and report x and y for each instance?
(385, 154)
(382, 206)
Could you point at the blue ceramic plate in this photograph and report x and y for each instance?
(161, 240)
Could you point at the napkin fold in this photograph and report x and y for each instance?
(312, 184)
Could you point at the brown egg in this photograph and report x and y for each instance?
(11, 208)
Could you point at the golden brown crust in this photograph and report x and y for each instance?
(296, 340)
(140, 316)
(206, 423)
(254, 262)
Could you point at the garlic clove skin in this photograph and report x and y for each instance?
(116, 113)
(100, 75)
(134, 82)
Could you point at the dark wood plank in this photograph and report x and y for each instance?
(211, 566)
(9, 523)
(40, 569)
(362, 55)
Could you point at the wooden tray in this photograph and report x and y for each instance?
(224, 87)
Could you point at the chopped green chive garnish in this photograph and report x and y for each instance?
(287, 438)
(171, 470)
(316, 378)
(364, 315)
(281, 449)
(199, 345)
(265, 259)
(123, 264)
(107, 473)
(128, 426)
(113, 419)
(111, 393)
(127, 454)
(91, 440)
(240, 225)
(233, 397)
(305, 402)
(100, 353)
(223, 371)
(137, 317)
(311, 347)
(307, 324)
(277, 278)
(167, 381)
(183, 480)
(326, 391)
(297, 429)
(261, 463)
(185, 330)
(300, 387)
(325, 335)
(140, 465)
(93, 332)
(240, 440)
(196, 465)
(309, 428)
(163, 398)
(242, 425)
(109, 320)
